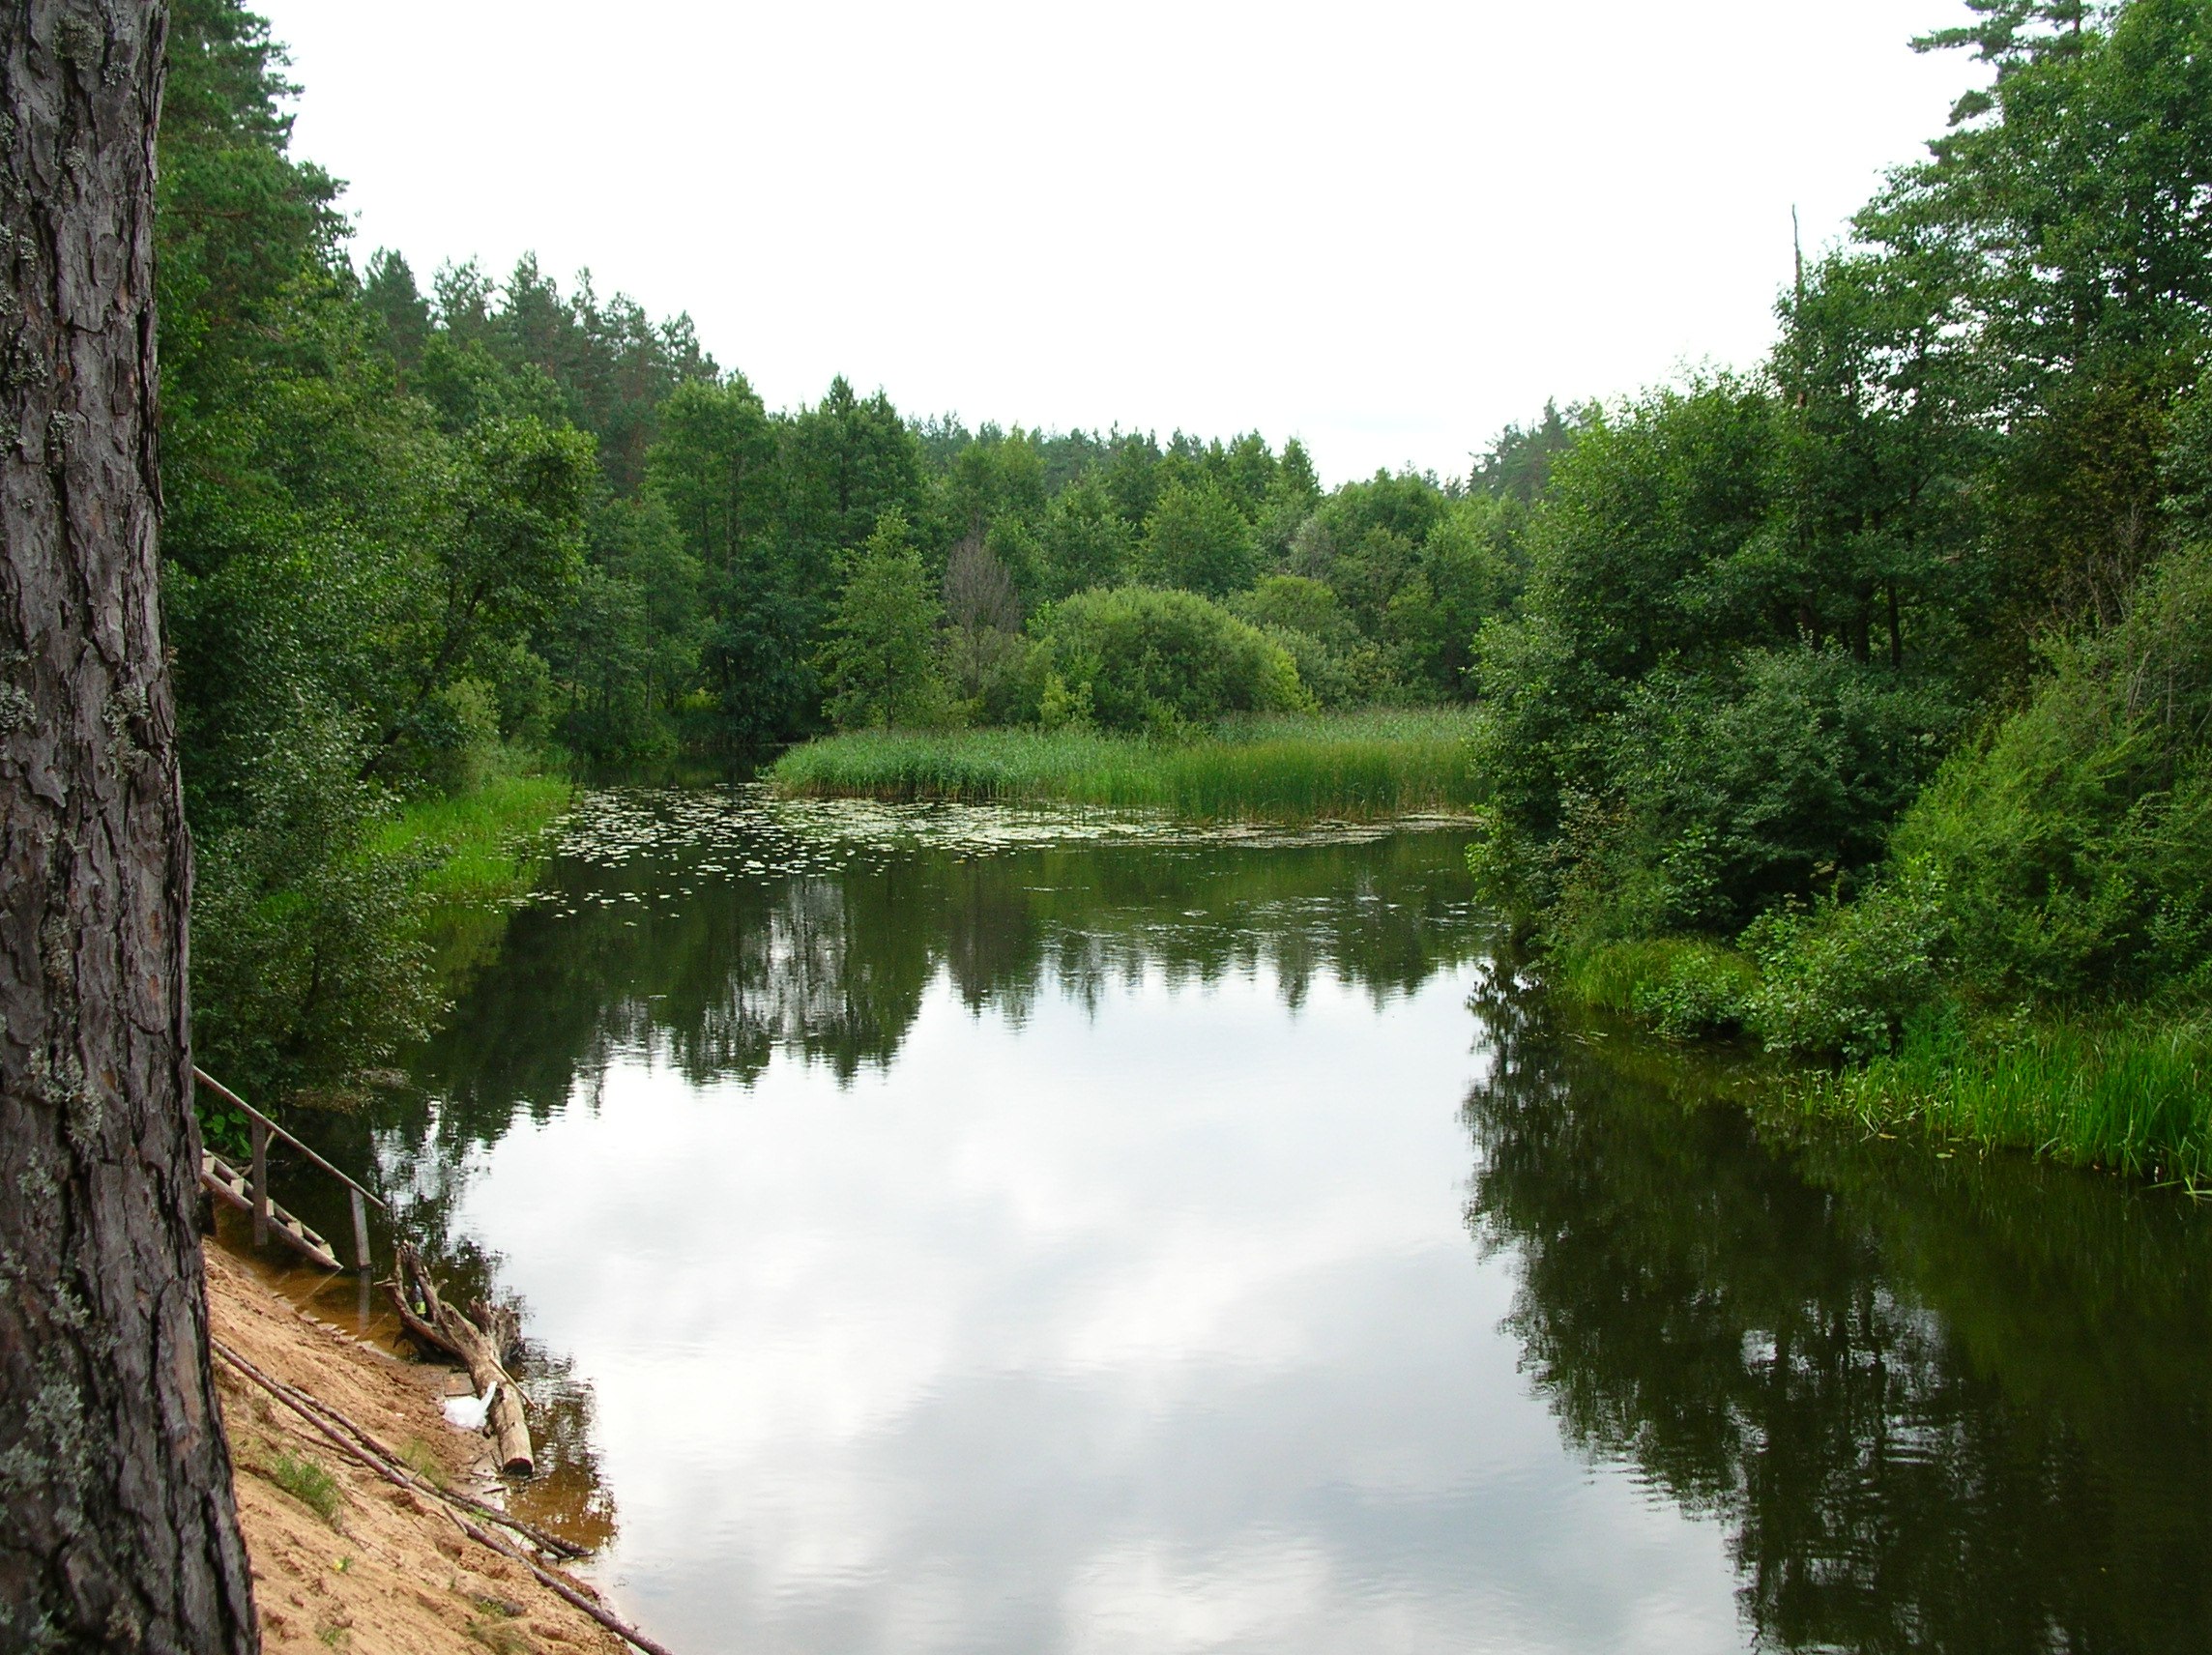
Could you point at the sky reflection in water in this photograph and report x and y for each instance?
(989, 1244)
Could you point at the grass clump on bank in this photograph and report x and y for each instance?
(477, 849)
(309, 1483)
(1359, 766)
(2130, 1090)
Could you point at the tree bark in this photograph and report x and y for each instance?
(117, 1527)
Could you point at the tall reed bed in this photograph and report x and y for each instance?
(2130, 1090)
(1347, 766)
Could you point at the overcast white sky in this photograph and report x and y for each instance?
(1386, 228)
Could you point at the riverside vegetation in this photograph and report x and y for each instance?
(1857, 701)
(1284, 767)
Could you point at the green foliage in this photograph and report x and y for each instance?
(1164, 663)
(1969, 494)
(880, 662)
(1845, 979)
(307, 963)
(2075, 843)
(1196, 539)
(1304, 617)
(1738, 790)
(1084, 542)
(1359, 766)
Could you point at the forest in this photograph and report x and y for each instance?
(1855, 700)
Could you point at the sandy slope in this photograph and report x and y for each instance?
(394, 1574)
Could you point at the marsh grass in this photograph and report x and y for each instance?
(1352, 767)
(472, 856)
(2127, 1090)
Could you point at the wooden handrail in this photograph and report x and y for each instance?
(203, 1078)
(357, 1197)
(262, 1128)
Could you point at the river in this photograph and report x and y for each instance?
(957, 1230)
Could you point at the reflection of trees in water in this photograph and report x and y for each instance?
(1857, 1360)
(565, 1497)
(835, 968)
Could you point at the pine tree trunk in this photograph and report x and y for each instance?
(117, 1527)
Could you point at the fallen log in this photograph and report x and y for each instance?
(502, 1327)
(447, 1328)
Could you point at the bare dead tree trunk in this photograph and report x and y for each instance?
(117, 1527)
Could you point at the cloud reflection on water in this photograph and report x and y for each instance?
(1151, 1324)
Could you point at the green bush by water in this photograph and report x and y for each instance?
(1298, 769)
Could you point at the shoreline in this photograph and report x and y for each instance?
(340, 1559)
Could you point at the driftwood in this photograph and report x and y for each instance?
(363, 1447)
(502, 1327)
(442, 1326)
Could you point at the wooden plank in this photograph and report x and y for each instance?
(360, 1232)
(260, 1189)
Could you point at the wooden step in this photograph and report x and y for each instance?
(226, 1184)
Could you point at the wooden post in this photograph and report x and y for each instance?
(359, 1229)
(260, 1185)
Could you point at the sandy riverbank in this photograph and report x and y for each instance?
(385, 1572)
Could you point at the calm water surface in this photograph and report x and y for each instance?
(943, 1230)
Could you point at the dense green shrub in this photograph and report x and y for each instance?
(1303, 616)
(1844, 980)
(1163, 661)
(1773, 778)
(2075, 843)
(1684, 986)
(308, 960)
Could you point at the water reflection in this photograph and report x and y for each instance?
(1938, 1403)
(713, 972)
(1031, 1244)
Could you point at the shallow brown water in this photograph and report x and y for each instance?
(946, 1230)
